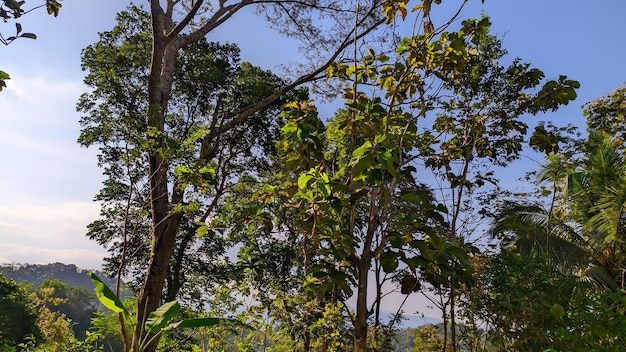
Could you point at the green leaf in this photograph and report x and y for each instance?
(28, 35)
(3, 76)
(202, 230)
(557, 311)
(436, 242)
(323, 188)
(106, 296)
(411, 198)
(182, 170)
(14, 5)
(202, 322)
(360, 151)
(389, 261)
(458, 252)
(53, 7)
(161, 317)
(303, 181)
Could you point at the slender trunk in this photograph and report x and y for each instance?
(360, 321)
(150, 295)
(379, 293)
(445, 330)
(175, 276)
(452, 316)
(307, 341)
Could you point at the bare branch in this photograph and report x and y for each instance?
(219, 17)
(190, 15)
(243, 115)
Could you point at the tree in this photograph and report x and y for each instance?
(207, 73)
(596, 200)
(522, 302)
(351, 188)
(357, 205)
(17, 316)
(428, 338)
(211, 84)
(584, 222)
(608, 115)
(168, 38)
(174, 27)
(578, 234)
(56, 330)
(75, 303)
(479, 127)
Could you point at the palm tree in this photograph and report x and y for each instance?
(596, 199)
(584, 227)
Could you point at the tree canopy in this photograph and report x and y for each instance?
(238, 215)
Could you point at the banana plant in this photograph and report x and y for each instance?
(158, 322)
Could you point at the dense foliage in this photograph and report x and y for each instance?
(244, 219)
(17, 318)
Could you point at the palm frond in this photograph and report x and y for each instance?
(600, 277)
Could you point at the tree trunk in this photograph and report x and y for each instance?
(452, 315)
(165, 224)
(360, 321)
(150, 295)
(166, 41)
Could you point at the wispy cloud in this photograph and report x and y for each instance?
(52, 232)
(81, 257)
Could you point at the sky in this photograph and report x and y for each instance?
(47, 181)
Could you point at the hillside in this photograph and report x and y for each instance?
(37, 273)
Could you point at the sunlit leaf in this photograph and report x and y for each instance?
(106, 296)
(161, 317)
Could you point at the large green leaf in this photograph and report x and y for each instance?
(106, 296)
(158, 319)
(202, 322)
(303, 181)
(389, 261)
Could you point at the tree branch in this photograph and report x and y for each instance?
(192, 13)
(243, 115)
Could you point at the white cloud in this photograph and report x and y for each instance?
(81, 257)
(41, 88)
(52, 232)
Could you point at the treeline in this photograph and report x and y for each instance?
(36, 274)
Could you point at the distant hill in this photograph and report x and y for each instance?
(413, 321)
(37, 273)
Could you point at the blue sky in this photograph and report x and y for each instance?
(48, 182)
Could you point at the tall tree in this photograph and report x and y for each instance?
(326, 28)
(211, 84)
(176, 25)
(358, 206)
(579, 231)
(584, 221)
(479, 127)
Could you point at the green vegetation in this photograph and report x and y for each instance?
(17, 319)
(242, 219)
